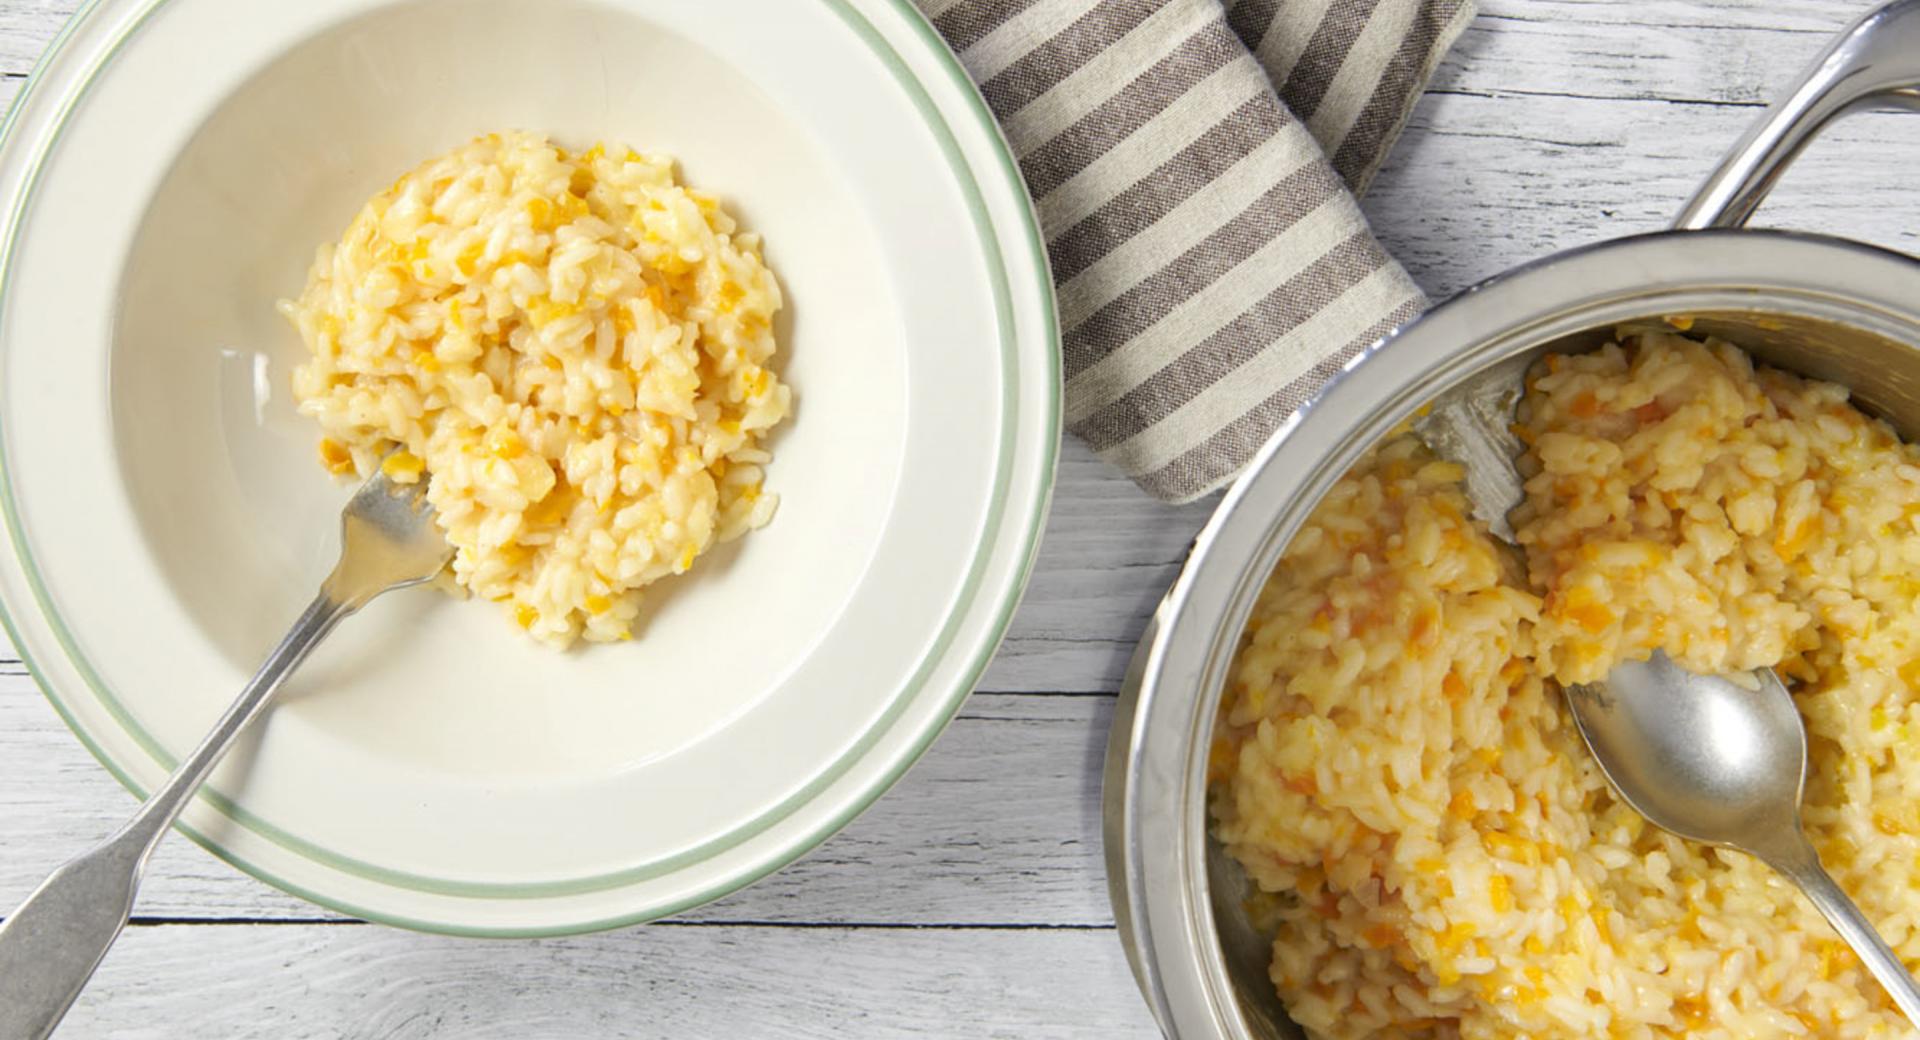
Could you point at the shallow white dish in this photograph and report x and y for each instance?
(165, 178)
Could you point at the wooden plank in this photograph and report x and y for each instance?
(1109, 554)
(268, 982)
(26, 27)
(1726, 51)
(1732, 52)
(998, 824)
(1482, 184)
(1629, 21)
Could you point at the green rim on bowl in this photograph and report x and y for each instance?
(976, 204)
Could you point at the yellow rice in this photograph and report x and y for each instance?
(1436, 852)
(573, 349)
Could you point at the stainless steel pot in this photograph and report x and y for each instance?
(1825, 307)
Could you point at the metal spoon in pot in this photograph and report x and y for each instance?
(51, 944)
(1699, 755)
(1712, 761)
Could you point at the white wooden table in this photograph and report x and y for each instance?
(971, 901)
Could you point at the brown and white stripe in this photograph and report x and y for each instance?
(1351, 68)
(1213, 269)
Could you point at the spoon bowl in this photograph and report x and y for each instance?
(1724, 761)
(1703, 756)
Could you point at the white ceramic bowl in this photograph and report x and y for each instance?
(166, 177)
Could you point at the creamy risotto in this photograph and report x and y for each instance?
(573, 350)
(1434, 848)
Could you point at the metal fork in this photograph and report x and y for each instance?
(51, 944)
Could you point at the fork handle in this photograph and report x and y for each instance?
(51, 944)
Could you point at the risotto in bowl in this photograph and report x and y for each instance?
(574, 351)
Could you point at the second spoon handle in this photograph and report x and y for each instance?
(51, 944)
(1801, 864)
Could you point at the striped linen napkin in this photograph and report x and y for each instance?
(1193, 163)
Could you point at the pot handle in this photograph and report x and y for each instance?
(1875, 63)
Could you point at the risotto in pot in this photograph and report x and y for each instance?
(1432, 845)
(572, 349)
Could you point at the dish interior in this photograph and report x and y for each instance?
(199, 353)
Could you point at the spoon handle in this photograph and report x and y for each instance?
(50, 944)
(1801, 864)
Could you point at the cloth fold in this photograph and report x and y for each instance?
(1193, 165)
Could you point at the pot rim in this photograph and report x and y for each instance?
(1155, 812)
